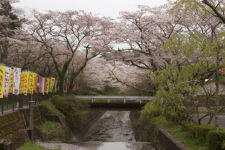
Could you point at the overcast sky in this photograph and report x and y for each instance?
(100, 7)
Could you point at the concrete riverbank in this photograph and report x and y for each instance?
(14, 127)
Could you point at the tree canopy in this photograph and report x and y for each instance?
(168, 51)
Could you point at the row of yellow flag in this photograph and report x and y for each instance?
(13, 81)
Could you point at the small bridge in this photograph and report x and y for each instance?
(117, 102)
(116, 98)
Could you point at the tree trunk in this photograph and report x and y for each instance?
(210, 118)
(61, 87)
(70, 84)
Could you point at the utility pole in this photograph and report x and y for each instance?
(31, 121)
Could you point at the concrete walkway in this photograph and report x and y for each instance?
(221, 119)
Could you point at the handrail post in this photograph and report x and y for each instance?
(13, 102)
(2, 101)
(31, 121)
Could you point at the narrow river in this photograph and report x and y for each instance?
(114, 132)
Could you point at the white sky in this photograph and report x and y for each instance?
(100, 7)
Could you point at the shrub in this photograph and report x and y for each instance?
(189, 126)
(202, 130)
(197, 131)
(74, 109)
(183, 125)
(191, 129)
(215, 140)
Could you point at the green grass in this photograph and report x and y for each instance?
(51, 107)
(175, 130)
(34, 146)
(48, 126)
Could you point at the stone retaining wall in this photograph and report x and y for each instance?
(13, 130)
(168, 142)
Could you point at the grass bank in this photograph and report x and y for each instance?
(48, 126)
(34, 146)
(50, 106)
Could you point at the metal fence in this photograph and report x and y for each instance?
(16, 102)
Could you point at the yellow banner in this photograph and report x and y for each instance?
(31, 82)
(24, 82)
(52, 83)
(47, 81)
(11, 81)
(2, 80)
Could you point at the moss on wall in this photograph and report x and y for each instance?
(12, 128)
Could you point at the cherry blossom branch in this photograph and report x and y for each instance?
(219, 15)
(124, 83)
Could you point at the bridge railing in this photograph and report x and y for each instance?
(115, 98)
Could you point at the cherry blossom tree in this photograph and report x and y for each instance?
(141, 36)
(97, 45)
(101, 73)
(29, 55)
(217, 7)
(144, 33)
(131, 78)
(96, 76)
(214, 7)
(63, 34)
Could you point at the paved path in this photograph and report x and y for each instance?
(221, 119)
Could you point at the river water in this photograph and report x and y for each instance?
(112, 131)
